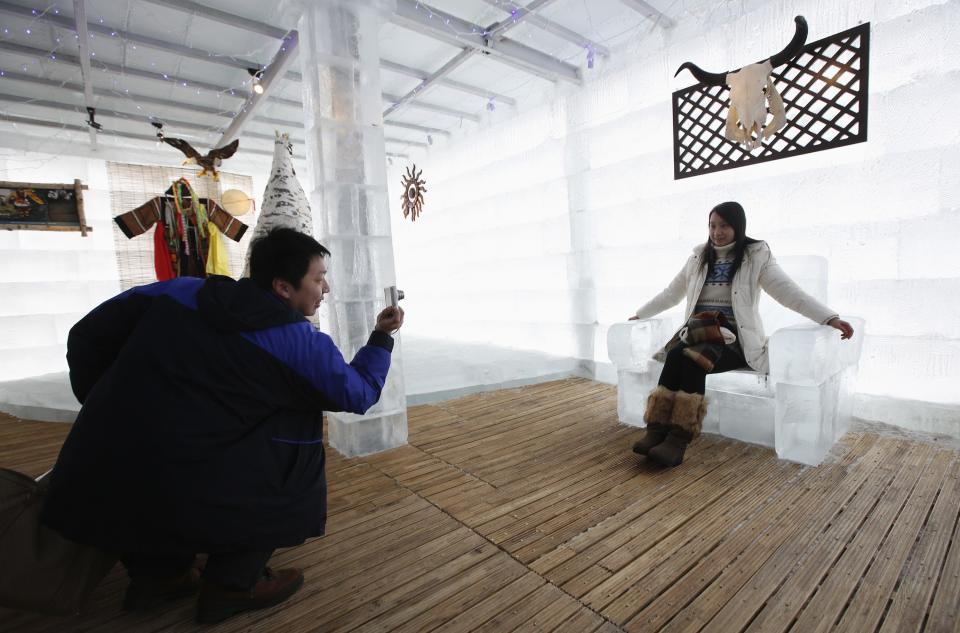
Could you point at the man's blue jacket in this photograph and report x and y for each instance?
(201, 427)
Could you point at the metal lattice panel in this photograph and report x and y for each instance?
(825, 92)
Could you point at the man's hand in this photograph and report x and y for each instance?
(390, 320)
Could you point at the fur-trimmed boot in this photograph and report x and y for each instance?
(689, 409)
(657, 417)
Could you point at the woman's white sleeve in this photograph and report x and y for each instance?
(671, 296)
(786, 292)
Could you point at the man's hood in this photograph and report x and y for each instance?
(233, 305)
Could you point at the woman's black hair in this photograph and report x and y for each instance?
(734, 215)
(283, 253)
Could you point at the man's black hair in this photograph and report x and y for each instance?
(283, 253)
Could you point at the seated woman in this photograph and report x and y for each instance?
(723, 276)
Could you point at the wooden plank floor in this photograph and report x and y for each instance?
(524, 510)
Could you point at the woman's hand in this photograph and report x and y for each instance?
(845, 328)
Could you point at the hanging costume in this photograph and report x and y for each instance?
(184, 237)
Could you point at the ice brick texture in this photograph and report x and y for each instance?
(345, 153)
(50, 279)
(551, 224)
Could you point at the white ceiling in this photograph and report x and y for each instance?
(193, 77)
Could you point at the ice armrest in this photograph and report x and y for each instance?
(804, 354)
(631, 344)
(850, 350)
(808, 354)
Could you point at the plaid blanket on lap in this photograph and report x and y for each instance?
(703, 335)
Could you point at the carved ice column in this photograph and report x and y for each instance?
(345, 149)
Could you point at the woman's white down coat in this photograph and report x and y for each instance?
(759, 270)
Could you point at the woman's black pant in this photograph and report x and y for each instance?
(682, 373)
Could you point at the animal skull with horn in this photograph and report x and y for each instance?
(751, 89)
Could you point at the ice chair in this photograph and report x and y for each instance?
(800, 408)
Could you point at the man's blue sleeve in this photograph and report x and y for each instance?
(353, 387)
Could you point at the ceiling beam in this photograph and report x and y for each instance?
(448, 83)
(222, 16)
(139, 137)
(418, 128)
(272, 76)
(254, 26)
(436, 108)
(83, 41)
(104, 112)
(144, 40)
(518, 15)
(552, 27)
(169, 103)
(528, 56)
(225, 91)
(495, 31)
(651, 13)
(403, 141)
(129, 116)
(461, 33)
(432, 80)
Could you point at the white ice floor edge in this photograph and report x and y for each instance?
(436, 370)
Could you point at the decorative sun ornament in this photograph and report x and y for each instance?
(413, 189)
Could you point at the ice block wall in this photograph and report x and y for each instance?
(50, 279)
(346, 155)
(541, 230)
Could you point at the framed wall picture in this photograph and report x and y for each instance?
(42, 207)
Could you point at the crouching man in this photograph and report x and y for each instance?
(202, 424)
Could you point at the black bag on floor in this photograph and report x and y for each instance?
(40, 570)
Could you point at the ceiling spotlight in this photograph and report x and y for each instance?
(257, 74)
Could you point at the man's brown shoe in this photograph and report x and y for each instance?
(217, 604)
(144, 594)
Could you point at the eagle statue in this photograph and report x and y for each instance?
(208, 163)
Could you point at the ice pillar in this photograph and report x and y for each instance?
(345, 149)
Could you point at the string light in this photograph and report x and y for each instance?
(514, 10)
